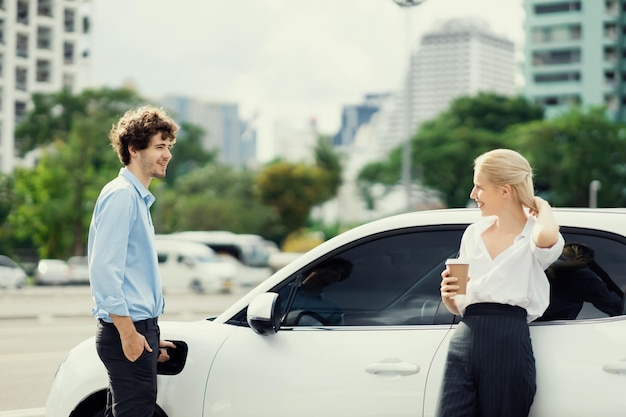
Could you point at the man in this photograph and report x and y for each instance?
(123, 268)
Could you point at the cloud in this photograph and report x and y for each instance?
(289, 58)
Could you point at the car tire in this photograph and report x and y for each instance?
(196, 286)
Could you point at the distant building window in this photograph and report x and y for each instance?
(68, 81)
(558, 100)
(566, 6)
(22, 12)
(556, 57)
(86, 25)
(20, 111)
(68, 52)
(43, 71)
(44, 8)
(611, 7)
(610, 53)
(2, 31)
(562, 33)
(611, 101)
(44, 37)
(70, 20)
(21, 45)
(610, 78)
(557, 77)
(610, 31)
(21, 78)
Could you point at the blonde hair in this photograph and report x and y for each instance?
(507, 167)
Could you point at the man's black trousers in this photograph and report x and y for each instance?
(132, 385)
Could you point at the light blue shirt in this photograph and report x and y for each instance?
(123, 266)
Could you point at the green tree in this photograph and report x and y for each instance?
(53, 115)
(7, 200)
(292, 190)
(329, 161)
(213, 197)
(443, 150)
(573, 149)
(54, 201)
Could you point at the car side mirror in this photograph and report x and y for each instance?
(264, 313)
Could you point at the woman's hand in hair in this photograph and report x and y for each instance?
(546, 231)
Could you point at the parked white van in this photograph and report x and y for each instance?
(247, 253)
(186, 265)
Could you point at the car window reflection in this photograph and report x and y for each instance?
(391, 280)
(578, 281)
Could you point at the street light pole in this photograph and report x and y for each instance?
(594, 187)
(408, 103)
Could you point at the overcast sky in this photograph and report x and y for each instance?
(283, 59)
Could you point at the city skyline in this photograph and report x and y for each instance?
(288, 61)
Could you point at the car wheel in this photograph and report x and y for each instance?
(196, 286)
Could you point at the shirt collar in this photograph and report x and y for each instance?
(526, 231)
(145, 194)
(528, 228)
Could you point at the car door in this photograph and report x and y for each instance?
(374, 362)
(581, 362)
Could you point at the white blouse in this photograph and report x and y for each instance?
(516, 276)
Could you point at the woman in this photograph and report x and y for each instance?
(490, 369)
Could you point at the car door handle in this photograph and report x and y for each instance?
(392, 367)
(618, 367)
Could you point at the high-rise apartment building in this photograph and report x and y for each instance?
(575, 54)
(43, 45)
(224, 131)
(461, 57)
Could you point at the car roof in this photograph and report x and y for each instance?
(608, 220)
(182, 245)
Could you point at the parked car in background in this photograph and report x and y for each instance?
(248, 253)
(275, 353)
(12, 275)
(246, 276)
(52, 272)
(279, 260)
(78, 269)
(250, 250)
(186, 265)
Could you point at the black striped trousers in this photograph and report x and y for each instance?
(490, 368)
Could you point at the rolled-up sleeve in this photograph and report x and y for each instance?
(546, 256)
(108, 250)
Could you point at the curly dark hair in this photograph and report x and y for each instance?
(137, 126)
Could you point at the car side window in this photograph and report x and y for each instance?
(391, 279)
(589, 278)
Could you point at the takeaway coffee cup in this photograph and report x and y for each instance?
(459, 268)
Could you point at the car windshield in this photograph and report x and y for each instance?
(207, 258)
(7, 262)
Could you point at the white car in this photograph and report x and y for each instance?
(12, 275)
(52, 272)
(246, 276)
(78, 267)
(271, 354)
(186, 265)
